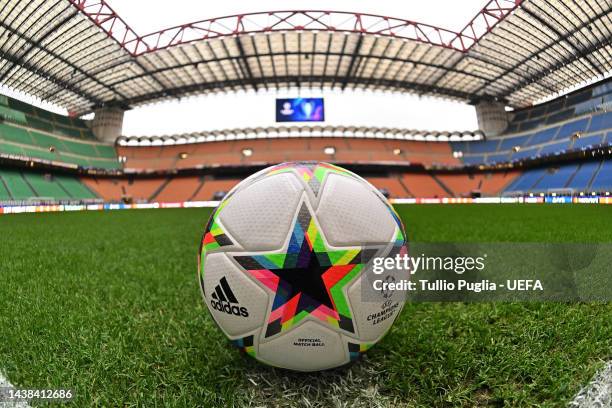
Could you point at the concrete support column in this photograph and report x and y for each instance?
(492, 118)
(107, 124)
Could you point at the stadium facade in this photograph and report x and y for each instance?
(80, 55)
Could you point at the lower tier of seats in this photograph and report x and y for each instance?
(16, 185)
(583, 177)
(592, 176)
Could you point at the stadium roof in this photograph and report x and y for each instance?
(79, 54)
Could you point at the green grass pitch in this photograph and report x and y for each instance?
(107, 303)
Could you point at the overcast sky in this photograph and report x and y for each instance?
(242, 109)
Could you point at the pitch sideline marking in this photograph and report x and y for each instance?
(4, 383)
(598, 392)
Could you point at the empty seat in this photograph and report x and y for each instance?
(423, 185)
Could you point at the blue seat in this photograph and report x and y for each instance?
(524, 154)
(603, 180)
(601, 122)
(543, 136)
(473, 159)
(497, 158)
(484, 147)
(584, 175)
(588, 141)
(526, 181)
(555, 179)
(570, 128)
(509, 143)
(553, 148)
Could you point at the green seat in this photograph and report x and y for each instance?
(80, 161)
(40, 124)
(17, 186)
(87, 134)
(62, 120)
(41, 154)
(46, 187)
(15, 134)
(11, 149)
(66, 131)
(82, 149)
(106, 151)
(46, 141)
(75, 188)
(12, 114)
(4, 193)
(44, 114)
(20, 106)
(104, 164)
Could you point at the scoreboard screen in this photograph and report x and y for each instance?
(300, 110)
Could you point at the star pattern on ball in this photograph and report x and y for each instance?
(308, 278)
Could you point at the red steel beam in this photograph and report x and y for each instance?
(297, 20)
(483, 22)
(104, 17)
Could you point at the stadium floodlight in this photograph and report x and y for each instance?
(458, 154)
(329, 150)
(247, 152)
(397, 152)
(183, 155)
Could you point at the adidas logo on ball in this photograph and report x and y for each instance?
(224, 300)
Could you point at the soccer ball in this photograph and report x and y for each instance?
(285, 266)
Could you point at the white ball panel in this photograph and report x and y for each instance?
(308, 347)
(350, 213)
(260, 215)
(248, 295)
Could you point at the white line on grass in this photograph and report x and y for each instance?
(598, 393)
(4, 384)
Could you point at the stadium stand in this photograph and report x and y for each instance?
(590, 176)
(271, 151)
(486, 184)
(537, 131)
(34, 133)
(18, 185)
(119, 189)
(209, 188)
(424, 185)
(579, 121)
(180, 189)
(404, 163)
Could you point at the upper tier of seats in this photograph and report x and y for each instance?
(578, 121)
(262, 151)
(30, 132)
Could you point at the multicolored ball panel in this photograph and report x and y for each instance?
(309, 278)
(357, 350)
(246, 344)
